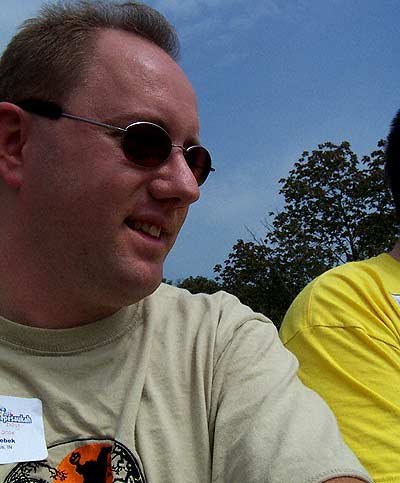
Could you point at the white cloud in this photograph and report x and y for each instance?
(179, 9)
(241, 11)
(218, 22)
(12, 14)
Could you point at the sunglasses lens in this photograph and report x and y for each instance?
(199, 161)
(146, 144)
(149, 145)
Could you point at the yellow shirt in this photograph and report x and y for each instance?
(344, 328)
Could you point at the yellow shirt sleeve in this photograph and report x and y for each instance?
(344, 329)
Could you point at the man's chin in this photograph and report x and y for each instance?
(153, 288)
(144, 286)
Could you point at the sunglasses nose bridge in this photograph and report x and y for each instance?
(184, 150)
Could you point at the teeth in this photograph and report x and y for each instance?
(146, 228)
(154, 231)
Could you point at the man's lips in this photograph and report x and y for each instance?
(145, 227)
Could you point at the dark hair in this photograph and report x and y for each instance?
(46, 58)
(392, 161)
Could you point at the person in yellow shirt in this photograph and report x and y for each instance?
(344, 328)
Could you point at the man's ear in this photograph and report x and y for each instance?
(13, 131)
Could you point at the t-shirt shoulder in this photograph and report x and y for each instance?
(219, 316)
(218, 306)
(356, 294)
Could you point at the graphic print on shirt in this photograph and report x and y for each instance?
(82, 461)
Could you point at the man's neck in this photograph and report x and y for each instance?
(62, 318)
(30, 295)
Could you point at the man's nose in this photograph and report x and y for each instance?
(175, 179)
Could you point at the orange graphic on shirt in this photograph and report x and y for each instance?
(88, 464)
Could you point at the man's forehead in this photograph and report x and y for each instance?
(122, 50)
(128, 74)
(124, 57)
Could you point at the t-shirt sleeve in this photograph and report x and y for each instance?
(348, 357)
(266, 425)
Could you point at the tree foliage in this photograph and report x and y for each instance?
(249, 274)
(199, 285)
(336, 209)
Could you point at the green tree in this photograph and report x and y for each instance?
(336, 209)
(249, 274)
(199, 285)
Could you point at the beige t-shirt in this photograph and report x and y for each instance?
(177, 388)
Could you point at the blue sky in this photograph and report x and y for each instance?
(274, 78)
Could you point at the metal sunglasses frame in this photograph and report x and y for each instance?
(52, 110)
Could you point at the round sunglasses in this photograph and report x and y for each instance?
(144, 143)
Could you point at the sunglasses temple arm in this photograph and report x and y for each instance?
(109, 126)
(90, 121)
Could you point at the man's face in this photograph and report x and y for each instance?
(82, 197)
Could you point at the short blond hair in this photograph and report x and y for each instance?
(47, 56)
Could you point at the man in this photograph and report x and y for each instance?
(106, 374)
(345, 330)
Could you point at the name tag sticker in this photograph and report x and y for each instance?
(396, 297)
(21, 430)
